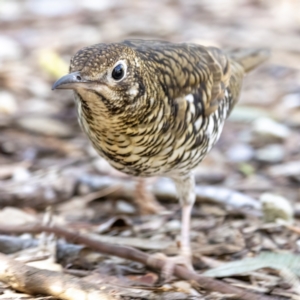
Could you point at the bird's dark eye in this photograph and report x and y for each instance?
(118, 72)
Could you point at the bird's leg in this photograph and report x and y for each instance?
(144, 199)
(185, 187)
(185, 247)
(186, 191)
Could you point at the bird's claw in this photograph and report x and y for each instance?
(169, 264)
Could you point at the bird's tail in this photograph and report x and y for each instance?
(250, 58)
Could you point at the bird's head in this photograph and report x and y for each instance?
(111, 76)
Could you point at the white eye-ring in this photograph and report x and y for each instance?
(119, 71)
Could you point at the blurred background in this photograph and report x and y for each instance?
(259, 150)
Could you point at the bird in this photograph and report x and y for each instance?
(156, 108)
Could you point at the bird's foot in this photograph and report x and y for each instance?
(170, 262)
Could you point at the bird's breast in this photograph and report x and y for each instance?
(168, 145)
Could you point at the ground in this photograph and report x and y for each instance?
(247, 188)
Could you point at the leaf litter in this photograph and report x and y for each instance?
(45, 159)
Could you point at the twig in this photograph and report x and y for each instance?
(139, 256)
(36, 281)
(293, 228)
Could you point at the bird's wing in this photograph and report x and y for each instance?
(184, 69)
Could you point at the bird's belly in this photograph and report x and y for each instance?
(171, 160)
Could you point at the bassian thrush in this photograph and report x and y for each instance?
(153, 108)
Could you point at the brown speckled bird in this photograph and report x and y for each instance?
(154, 108)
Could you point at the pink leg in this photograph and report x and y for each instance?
(185, 247)
(186, 191)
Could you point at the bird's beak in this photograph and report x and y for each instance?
(70, 81)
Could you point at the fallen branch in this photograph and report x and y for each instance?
(37, 281)
(141, 257)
